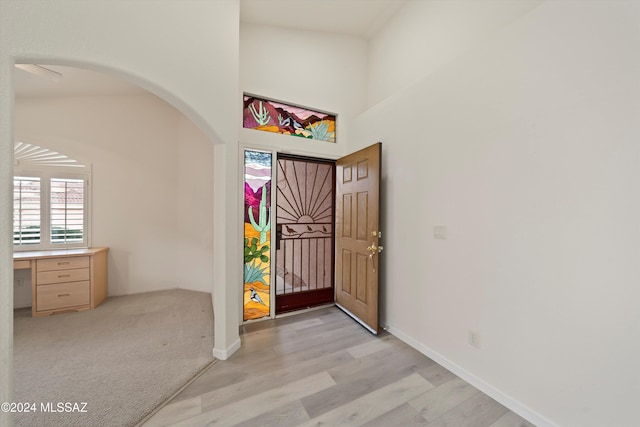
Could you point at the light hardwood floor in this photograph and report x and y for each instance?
(322, 368)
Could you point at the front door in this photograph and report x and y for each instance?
(304, 232)
(358, 234)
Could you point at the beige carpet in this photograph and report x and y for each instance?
(123, 359)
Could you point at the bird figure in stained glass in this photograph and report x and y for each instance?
(255, 297)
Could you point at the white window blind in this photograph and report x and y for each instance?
(26, 211)
(50, 211)
(67, 210)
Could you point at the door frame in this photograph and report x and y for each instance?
(240, 230)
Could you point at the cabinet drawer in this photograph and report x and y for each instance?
(61, 276)
(62, 295)
(66, 263)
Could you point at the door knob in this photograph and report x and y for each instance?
(373, 249)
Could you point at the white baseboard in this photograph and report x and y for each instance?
(224, 354)
(515, 406)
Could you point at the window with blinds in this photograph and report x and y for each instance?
(51, 199)
(50, 211)
(26, 211)
(67, 210)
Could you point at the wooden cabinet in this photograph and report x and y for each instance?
(63, 296)
(65, 280)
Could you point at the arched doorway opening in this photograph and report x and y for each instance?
(150, 171)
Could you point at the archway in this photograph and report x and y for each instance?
(221, 294)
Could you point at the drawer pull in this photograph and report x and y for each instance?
(62, 276)
(63, 263)
(64, 295)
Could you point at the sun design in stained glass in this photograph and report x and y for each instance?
(305, 197)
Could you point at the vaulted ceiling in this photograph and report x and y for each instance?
(360, 18)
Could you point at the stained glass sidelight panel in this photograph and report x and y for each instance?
(257, 234)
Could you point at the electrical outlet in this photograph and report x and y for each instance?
(19, 282)
(474, 339)
(439, 232)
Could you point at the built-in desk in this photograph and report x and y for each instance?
(65, 280)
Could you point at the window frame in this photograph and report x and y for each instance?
(46, 174)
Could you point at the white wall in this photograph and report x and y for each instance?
(22, 294)
(425, 35)
(312, 69)
(146, 42)
(194, 249)
(152, 186)
(526, 147)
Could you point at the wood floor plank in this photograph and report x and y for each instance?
(291, 330)
(511, 419)
(478, 411)
(270, 379)
(251, 407)
(436, 374)
(399, 354)
(267, 338)
(244, 356)
(374, 404)
(369, 347)
(322, 346)
(247, 363)
(322, 368)
(294, 357)
(327, 321)
(213, 379)
(349, 334)
(285, 339)
(359, 382)
(342, 373)
(282, 322)
(295, 322)
(307, 323)
(404, 415)
(289, 415)
(442, 399)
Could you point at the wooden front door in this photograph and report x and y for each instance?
(358, 234)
